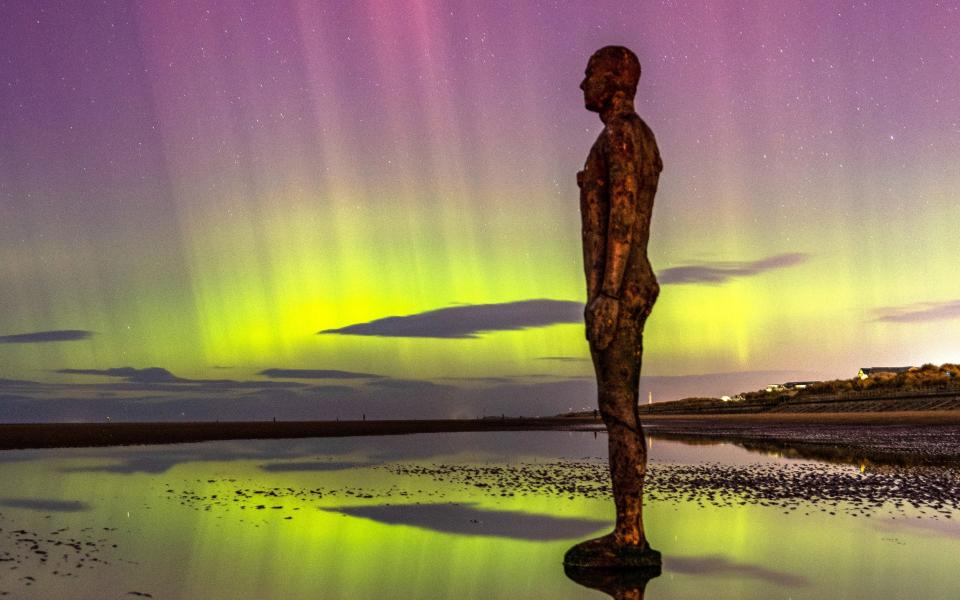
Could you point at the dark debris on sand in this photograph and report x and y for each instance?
(59, 553)
(246, 496)
(931, 492)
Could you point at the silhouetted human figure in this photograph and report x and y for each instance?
(617, 186)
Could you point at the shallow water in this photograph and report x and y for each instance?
(485, 515)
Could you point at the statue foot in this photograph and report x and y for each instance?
(605, 553)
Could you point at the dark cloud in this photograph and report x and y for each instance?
(315, 374)
(466, 519)
(722, 271)
(191, 404)
(518, 379)
(919, 312)
(404, 384)
(148, 375)
(379, 398)
(17, 383)
(485, 380)
(158, 379)
(43, 337)
(469, 320)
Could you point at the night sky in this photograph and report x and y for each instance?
(231, 200)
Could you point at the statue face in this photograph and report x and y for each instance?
(595, 87)
(610, 70)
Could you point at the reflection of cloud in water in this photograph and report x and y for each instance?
(316, 466)
(926, 526)
(366, 451)
(721, 566)
(138, 464)
(467, 519)
(44, 505)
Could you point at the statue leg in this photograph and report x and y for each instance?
(618, 374)
(618, 378)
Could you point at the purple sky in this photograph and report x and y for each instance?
(209, 184)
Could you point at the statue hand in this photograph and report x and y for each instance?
(601, 318)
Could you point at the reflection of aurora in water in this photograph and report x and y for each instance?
(348, 522)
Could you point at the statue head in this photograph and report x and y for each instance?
(611, 71)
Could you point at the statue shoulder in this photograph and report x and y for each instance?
(630, 135)
(621, 135)
(648, 142)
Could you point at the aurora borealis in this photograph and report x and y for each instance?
(203, 187)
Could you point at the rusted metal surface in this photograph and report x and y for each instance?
(617, 188)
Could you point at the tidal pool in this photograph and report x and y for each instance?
(461, 515)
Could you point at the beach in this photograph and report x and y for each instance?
(246, 517)
(881, 436)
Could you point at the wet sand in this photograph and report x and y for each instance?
(830, 489)
(59, 544)
(60, 553)
(905, 438)
(913, 417)
(804, 487)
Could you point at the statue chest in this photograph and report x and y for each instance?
(594, 201)
(593, 178)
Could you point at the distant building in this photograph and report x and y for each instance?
(867, 372)
(798, 385)
(790, 385)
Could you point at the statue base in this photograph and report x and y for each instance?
(604, 553)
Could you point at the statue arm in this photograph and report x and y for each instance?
(592, 236)
(623, 177)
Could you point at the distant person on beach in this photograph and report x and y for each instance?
(617, 186)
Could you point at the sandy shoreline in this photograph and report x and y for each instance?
(846, 429)
(890, 438)
(914, 417)
(66, 435)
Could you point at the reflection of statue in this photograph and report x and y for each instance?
(622, 584)
(617, 187)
